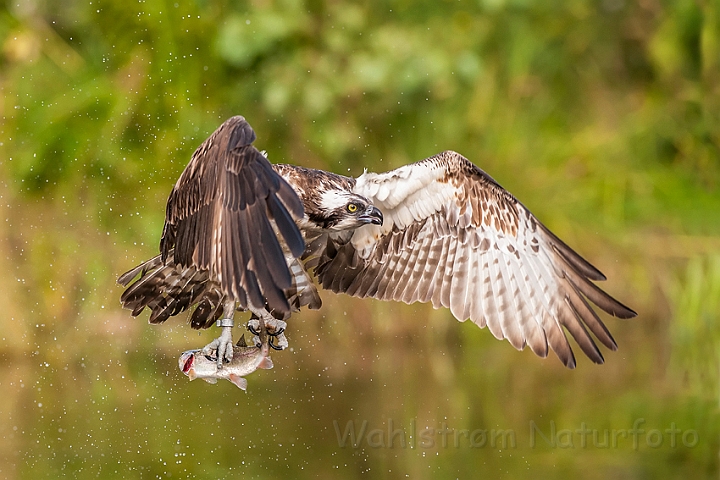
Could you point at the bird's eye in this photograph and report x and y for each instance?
(352, 208)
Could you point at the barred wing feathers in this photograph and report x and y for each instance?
(453, 237)
(168, 289)
(224, 223)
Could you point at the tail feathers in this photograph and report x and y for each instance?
(142, 269)
(168, 289)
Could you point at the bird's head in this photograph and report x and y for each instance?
(343, 210)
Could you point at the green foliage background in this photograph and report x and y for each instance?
(601, 116)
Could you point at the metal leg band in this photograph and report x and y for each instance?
(225, 322)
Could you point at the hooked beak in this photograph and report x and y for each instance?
(372, 215)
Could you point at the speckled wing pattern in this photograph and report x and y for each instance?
(453, 237)
(225, 220)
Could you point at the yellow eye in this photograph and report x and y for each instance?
(352, 208)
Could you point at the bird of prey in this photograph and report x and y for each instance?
(244, 234)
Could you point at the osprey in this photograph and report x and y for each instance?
(243, 234)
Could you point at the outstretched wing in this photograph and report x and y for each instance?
(220, 218)
(452, 236)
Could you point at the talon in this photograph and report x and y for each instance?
(277, 327)
(280, 331)
(210, 350)
(228, 352)
(253, 326)
(282, 341)
(268, 329)
(220, 349)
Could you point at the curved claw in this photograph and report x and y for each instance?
(271, 329)
(273, 346)
(281, 340)
(279, 331)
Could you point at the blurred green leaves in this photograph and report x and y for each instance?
(502, 81)
(245, 39)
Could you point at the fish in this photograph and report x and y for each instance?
(246, 359)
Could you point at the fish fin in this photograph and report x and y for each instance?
(191, 374)
(266, 363)
(239, 381)
(241, 341)
(210, 379)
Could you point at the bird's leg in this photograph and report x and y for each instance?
(257, 327)
(222, 347)
(279, 334)
(275, 328)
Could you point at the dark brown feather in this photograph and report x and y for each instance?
(219, 240)
(230, 187)
(168, 289)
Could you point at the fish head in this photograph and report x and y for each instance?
(186, 362)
